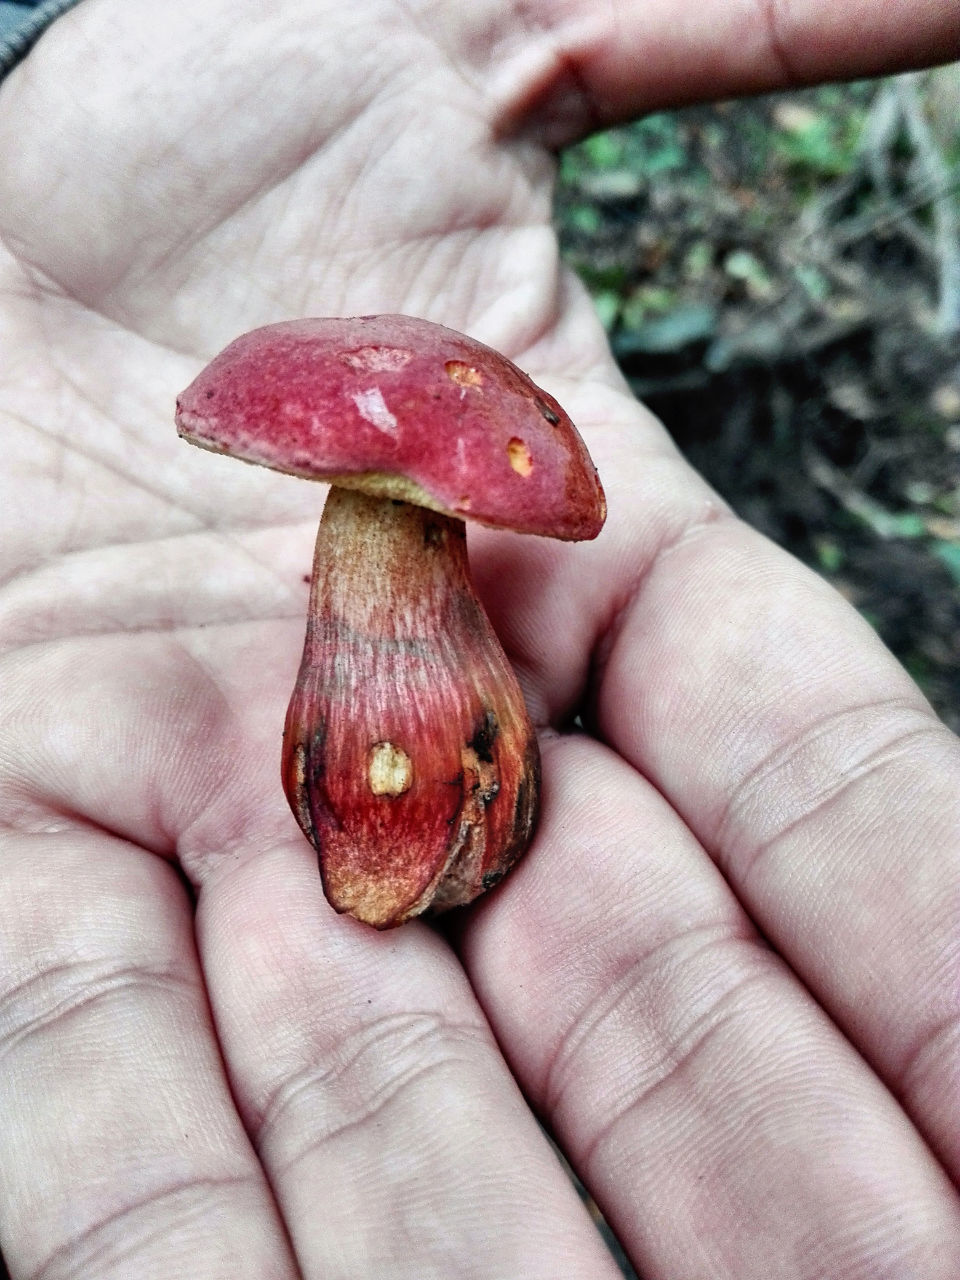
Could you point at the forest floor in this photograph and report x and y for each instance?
(780, 279)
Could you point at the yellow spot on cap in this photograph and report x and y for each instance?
(519, 456)
(463, 374)
(390, 771)
(377, 359)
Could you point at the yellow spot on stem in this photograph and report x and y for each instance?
(390, 771)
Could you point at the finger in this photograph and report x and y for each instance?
(785, 734)
(805, 759)
(723, 1124)
(583, 65)
(122, 1152)
(396, 1141)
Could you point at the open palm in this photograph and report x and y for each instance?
(727, 975)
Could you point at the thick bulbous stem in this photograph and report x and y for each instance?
(409, 758)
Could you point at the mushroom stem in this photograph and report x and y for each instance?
(409, 758)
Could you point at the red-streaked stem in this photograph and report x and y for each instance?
(409, 758)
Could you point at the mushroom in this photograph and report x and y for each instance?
(409, 759)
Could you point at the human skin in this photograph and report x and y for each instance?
(727, 974)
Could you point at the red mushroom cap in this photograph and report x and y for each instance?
(403, 408)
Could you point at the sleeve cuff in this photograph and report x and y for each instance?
(22, 25)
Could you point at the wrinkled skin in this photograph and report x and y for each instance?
(726, 975)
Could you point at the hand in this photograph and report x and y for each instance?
(727, 974)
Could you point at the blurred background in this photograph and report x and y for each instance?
(780, 279)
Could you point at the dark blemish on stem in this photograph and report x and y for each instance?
(528, 791)
(490, 792)
(484, 736)
(433, 534)
(317, 798)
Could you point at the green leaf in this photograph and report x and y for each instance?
(585, 218)
(604, 150)
(830, 555)
(885, 523)
(666, 333)
(607, 305)
(698, 260)
(814, 283)
(652, 300)
(949, 554)
(741, 264)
